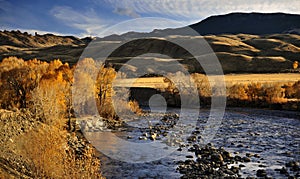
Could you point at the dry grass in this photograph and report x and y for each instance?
(34, 140)
(46, 150)
(31, 149)
(232, 79)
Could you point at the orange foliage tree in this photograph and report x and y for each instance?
(238, 91)
(84, 95)
(104, 91)
(274, 94)
(255, 92)
(18, 79)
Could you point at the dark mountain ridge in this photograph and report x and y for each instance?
(249, 23)
(233, 23)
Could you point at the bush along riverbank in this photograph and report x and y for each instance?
(34, 149)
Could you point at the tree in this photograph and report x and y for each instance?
(18, 79)
(49, 99)
(255, 92)
(203, 85)
(274, 94)
(104, 90)
(83, 90)
(295, 65)
(238, 91)
(18, 83)
(296, 87)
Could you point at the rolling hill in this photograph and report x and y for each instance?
(243, 42)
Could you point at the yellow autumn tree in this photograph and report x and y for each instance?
(84, 96)
(295, 65)
(104, 91)
(18, 79)
(274, 93)
(255, 92)
(238, 91)
(44, 89)
(49, 98)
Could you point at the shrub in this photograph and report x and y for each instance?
(49, 156)
(44, 90)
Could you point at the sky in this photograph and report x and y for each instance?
(104, 17)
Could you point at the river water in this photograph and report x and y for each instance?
(274, 137)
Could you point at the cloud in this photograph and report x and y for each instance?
(91, 24)
(126, 11)
(146, 24)
(195, 9)
(5, 6)
(88, 21)
(183, 11)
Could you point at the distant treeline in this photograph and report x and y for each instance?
(27, 84)
(266, 95)
(253, 94)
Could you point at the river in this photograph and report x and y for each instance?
(272, 136)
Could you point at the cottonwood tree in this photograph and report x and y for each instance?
(255, 92)
(274, 93)
(203, 85)
(295, 65)
(104, 90)
(18, 79)
(49, 98)
(11, 63)
(183, 86)
(238, 91)
(84, 95)
(296, 88)
(17, 84)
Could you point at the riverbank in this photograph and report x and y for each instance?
(30, 148)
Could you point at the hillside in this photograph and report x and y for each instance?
(249, 23)
(254, 53)
(243, 42)
(19, 39)
(45, 47)
(240, 53)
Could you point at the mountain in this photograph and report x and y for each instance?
(249, 23)
(233, 23)
(243, 42)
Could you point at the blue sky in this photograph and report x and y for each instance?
(93, 17)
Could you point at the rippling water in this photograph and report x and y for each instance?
(273, 135)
